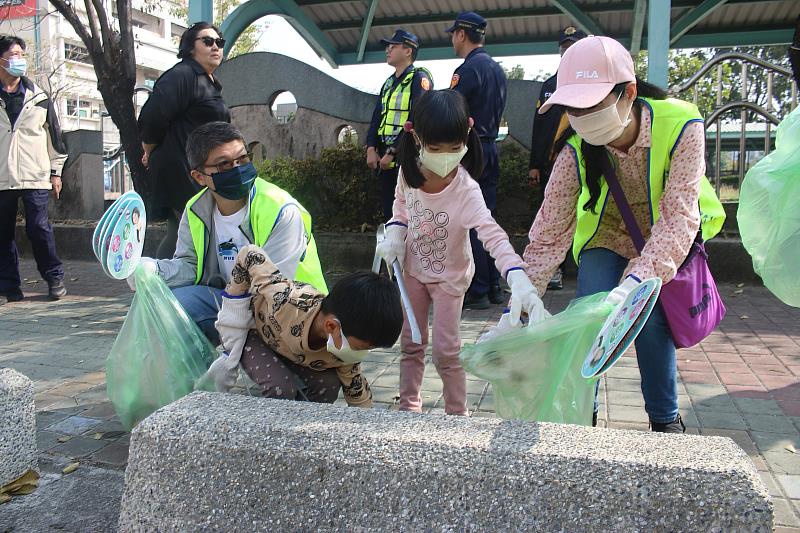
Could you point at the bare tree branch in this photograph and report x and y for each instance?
(93, 25)
(126, 35)
(109, 41)
(65, 8)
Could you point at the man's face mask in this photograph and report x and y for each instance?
(601, 127)
(345, 353)
(235, 183)
(16, 66)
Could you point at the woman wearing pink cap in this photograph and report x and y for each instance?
(657, 148)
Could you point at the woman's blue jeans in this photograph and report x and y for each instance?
(600, 270)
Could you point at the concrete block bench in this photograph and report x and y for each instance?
(17, 426)
(214, 462)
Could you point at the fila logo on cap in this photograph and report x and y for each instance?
(586, 75)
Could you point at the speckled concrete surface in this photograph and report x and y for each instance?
(17, 425)
(224, 462)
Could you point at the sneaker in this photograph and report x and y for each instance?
(57, 289)
(496, 295)
(557, 281)
(13, 295)
(676, 426)
(476, 302)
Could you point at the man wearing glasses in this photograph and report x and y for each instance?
(233, 209)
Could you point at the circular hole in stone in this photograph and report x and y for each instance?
(347, 136)
(283, 107)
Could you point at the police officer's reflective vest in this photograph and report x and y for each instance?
(266, 202)
(396, 105)
(669, 119)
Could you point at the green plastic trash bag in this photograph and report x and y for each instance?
(159, 353)
(535, 371)
(769, 213)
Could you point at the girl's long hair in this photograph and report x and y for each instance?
(592, 155)
(439, 117)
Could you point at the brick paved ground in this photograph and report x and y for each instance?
(742, 382)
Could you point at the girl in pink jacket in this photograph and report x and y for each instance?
(436, 204)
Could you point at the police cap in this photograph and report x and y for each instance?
(469, 21)
(402, 37)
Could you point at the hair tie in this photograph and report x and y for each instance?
(408, 126)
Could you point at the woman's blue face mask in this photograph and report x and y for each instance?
(235, 183)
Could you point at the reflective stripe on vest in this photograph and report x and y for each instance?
(266, 202)
(669, 119)
(396, 106)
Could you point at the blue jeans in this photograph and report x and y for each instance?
(600, 270)
(39, 231)
(201, 303)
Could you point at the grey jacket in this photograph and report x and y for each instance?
(32, 150)
(181, 270)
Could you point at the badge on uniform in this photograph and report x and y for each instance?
(426, 84)
(454, 80)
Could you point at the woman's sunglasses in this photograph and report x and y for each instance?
(210, 41)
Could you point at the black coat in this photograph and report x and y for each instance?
(183, 98)
(546, 128)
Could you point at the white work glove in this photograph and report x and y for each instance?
(618, 295)
(234, 320)
(150, 265)
(222, 374)
(394, 245)
(524, 297)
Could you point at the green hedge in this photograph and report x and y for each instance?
(341, 192)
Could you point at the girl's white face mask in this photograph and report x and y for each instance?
(345, 353)
(441, 163)
(601, 127)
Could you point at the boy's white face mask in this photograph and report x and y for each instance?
(601, 127)
(345, 353)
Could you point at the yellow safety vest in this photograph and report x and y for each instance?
(669, 119)
(396, 105)
(266, 202)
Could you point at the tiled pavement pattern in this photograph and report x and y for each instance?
(743, 382)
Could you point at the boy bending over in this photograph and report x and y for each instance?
(295, 342)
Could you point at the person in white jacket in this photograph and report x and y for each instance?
(32, 156)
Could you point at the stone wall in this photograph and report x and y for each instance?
(325, 105)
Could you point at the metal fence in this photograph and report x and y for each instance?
(738, 125)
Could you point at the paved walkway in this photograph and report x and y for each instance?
(743, 382)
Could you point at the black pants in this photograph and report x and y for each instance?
(486, 274)
(277, 377)
(39, 231)
(388, 182)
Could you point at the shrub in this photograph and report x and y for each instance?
(338, 189)
(341, 192)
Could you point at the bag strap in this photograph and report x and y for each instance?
(622, 203)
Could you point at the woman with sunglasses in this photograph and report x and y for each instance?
(656, 146)
(186, 96)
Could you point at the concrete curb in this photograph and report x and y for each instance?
(216, 462)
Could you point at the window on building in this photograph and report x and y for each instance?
(76, 52)
(77, 107)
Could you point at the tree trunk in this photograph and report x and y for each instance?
(112, 55)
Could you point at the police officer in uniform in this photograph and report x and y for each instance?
(397, 97)
(483, 83)
(548, 127)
